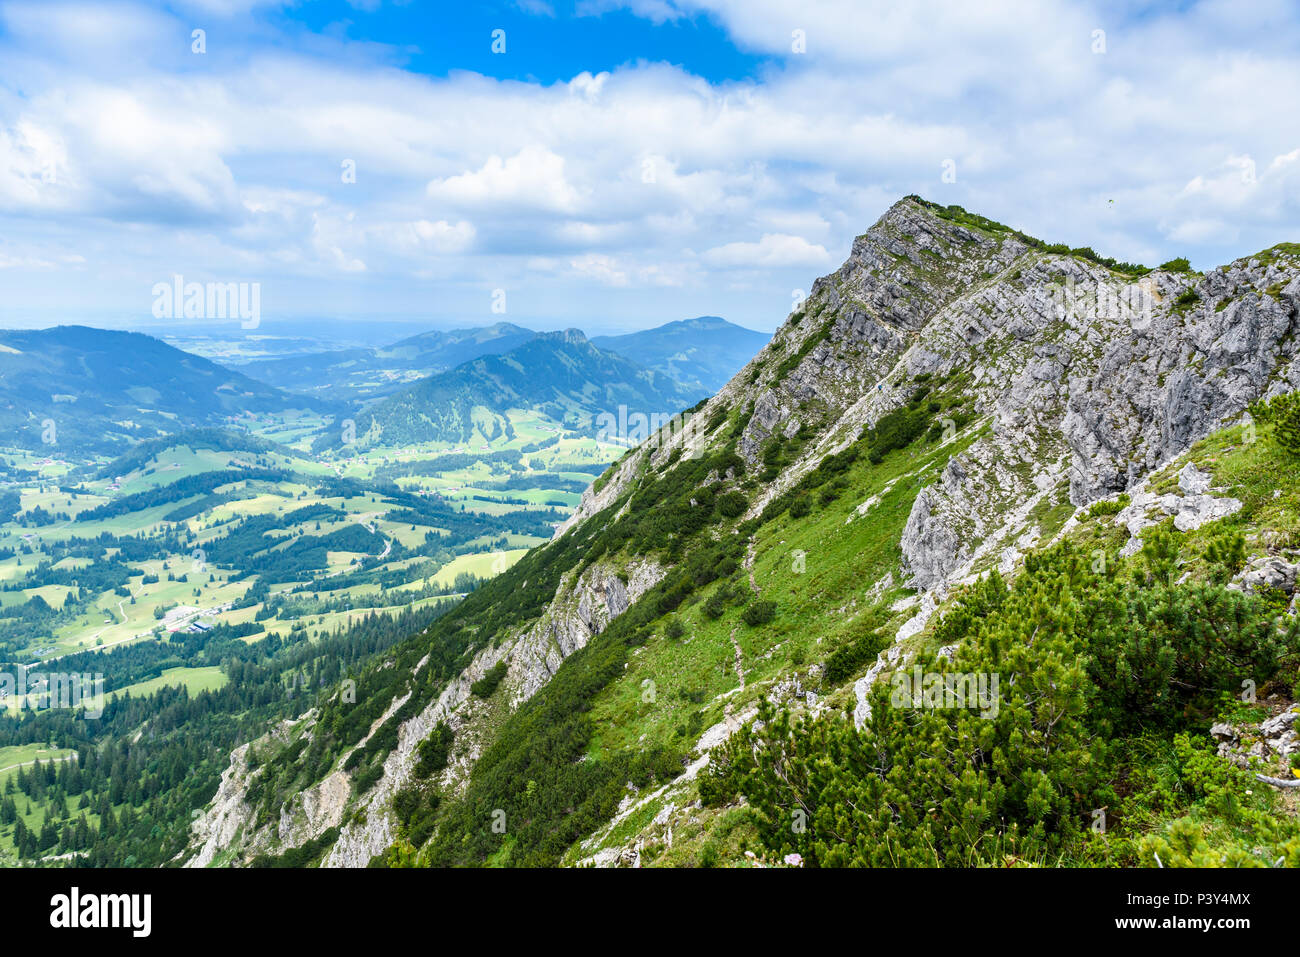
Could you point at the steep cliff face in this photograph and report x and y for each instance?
(947, 400)
(1182, 372)
(226, 832)
(1098, 395)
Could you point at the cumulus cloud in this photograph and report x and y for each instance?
(532, 179)
(774, 249)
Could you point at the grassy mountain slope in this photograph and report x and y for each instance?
(560, 374)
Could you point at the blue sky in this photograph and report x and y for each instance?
(546, 42)
(622, 163)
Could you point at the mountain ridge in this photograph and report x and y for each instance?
(703, 352)
(367, 373)
(123, 386)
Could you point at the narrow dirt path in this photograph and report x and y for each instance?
(122, 611)
(740, 659)
(749, 566)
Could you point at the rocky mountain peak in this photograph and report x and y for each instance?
(572, 337)
(1075, 375)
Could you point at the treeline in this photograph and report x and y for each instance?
(199, 484)
(450, 462)
(218, 440)
(548, 481)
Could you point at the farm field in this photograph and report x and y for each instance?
(193, 680)
(169, 540)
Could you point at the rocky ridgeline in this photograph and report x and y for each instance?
(1085, 379)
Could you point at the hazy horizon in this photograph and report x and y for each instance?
(331, 331)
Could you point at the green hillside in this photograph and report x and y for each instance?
(560, 375)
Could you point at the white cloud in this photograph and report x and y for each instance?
(531, 179)
(599, 267)
(31, 160)
(444, 237)
(538, 8)
(26, 262)
(774, 249)
(1200, 230)
(1285, 160)
(611, 271)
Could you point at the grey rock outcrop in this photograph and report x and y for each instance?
(1084, 379)
(1269, 572)
(1251, 746)
(931, 545)
(1183, 374)
(1193, 481)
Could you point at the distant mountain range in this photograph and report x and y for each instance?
(703, 353)
(74, 387)
(94, 390)
(560, 374)
(361, 373)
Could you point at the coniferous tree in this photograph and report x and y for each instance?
(1286, 423)
(20, 838)
(1225, 554)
